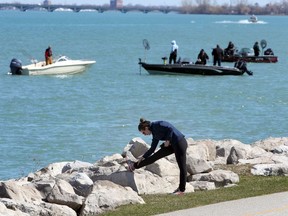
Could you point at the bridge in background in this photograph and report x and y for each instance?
(78, 8)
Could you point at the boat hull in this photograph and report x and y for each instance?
(58, 68)
(254, 59)
(189, 69)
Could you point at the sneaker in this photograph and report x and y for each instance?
(130, 164)
(178, 192)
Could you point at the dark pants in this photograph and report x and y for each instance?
(218, 61)
(172, 57)
(180, 153)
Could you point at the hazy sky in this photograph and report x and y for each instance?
(142, 2)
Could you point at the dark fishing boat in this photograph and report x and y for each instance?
(254, 59)
(247, 54)
(193, 69)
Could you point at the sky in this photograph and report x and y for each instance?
(134, 2)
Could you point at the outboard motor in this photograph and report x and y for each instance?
(242, 65)
(16, 67)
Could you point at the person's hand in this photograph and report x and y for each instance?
(167, 143)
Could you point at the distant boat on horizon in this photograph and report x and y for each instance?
(253, 19)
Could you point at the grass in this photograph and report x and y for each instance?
(248, 186)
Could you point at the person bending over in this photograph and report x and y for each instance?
(174, 142)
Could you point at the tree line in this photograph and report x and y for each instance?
(237, 7)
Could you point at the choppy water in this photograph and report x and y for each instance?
(47, 119)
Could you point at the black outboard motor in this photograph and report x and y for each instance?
(242, 65)
(16, 67)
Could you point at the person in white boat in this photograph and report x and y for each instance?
(48, 55)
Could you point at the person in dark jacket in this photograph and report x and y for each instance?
(230, 49)
(48, 56)
(202, 57)
(217, 54)
(174, 142)
(256, 49)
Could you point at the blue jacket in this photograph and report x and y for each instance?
(162, 130)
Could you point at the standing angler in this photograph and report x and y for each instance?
(173, 53)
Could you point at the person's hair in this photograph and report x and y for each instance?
(143, 124)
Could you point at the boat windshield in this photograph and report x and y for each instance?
(62, 58)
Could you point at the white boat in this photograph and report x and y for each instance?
(253, 19)
(63, 65)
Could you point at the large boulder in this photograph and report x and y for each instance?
(63, 194)
(10, 212)
(270, 169)
(195, 166)
(219, 177)
(37, 208)
(107, 196)
(163, 167)
(239, 151)
(202, 149)
(18, 192)
(223, 147)
(271, 143)
(137, 147)
(203, 185)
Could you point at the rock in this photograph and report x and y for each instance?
(81, 183)
(53, 170)
(270, 169)
(195, 166)
(10, 212)
(270, 143)
(137, 147)
(75, 165)
(107, 159)
(202, 149)
(163, 167)
(223, 147)
(18, 192)
(107, 196)
(63, 194)
(81, 188)
(37, 208)
(282, 149)
(239, 151)
(219, 177)
(203, 185)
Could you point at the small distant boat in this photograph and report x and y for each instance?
(62, 66)
(191, 69)
(247, 54)
(253, 19)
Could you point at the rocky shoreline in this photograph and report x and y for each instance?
(77, 188)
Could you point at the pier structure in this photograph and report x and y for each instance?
(116, 6)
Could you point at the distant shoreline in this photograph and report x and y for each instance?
(188, 8)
